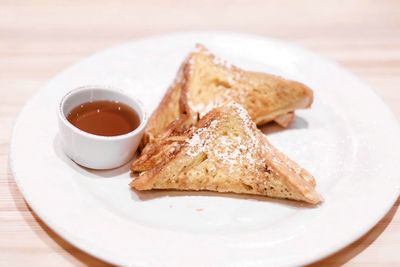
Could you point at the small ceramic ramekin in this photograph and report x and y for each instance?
(95, 151)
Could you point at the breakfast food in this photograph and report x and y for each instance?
(104, 118)
(205, 81)
(225, 152)
(164, 147)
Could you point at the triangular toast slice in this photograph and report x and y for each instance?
(205, 81)
(225, 152)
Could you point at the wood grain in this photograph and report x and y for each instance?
(40, 38)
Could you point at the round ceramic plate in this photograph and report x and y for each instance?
(348, 140)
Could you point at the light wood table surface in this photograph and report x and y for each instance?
(38, 39)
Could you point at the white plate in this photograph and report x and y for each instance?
(349, 141)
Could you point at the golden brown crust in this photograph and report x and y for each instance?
(285, 120)
(158, 156)
(265, 96)
(225, 152)
(204, 78)
(165, 145)
(203, 82)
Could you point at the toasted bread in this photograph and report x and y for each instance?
(155, 152)
(284, 120)
(205, 81)
(167, 112)
(225, 152)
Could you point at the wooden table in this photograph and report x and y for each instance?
(40, 38)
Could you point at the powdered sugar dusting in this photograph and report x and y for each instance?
(203, 109)
(231, 80)
(198, 142)
(223, 96)
(201, 49)
(222, 62)
(226, 91)
(229, 148)
(249, 126)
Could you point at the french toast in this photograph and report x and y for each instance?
(205, 81)
(226, 152)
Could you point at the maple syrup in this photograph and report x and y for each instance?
(104, 117)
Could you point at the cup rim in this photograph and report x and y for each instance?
(113, 90)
